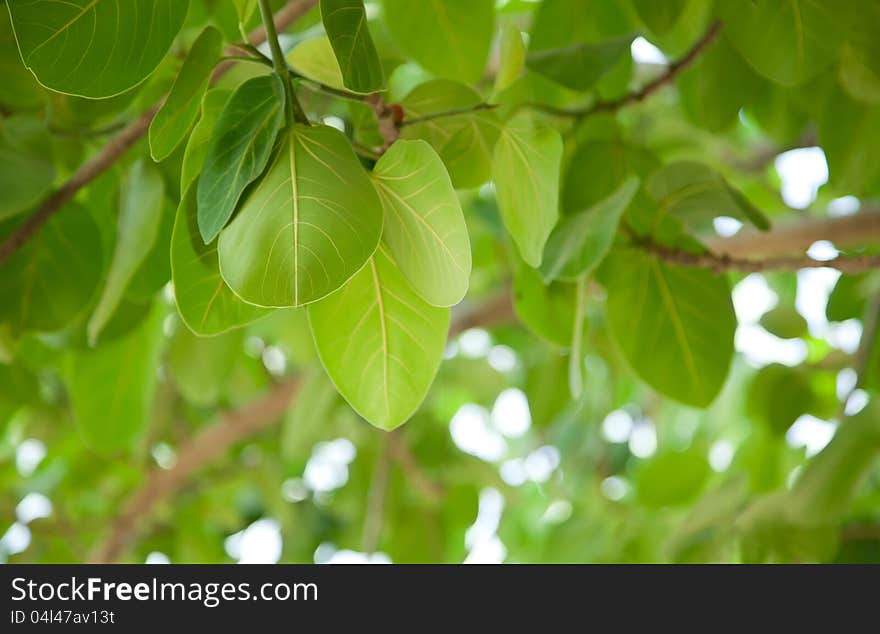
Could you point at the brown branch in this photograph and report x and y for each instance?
(672, 71)
(121, 142)
(724, 263)
(202, 449)
(254, 417)
(844, 232)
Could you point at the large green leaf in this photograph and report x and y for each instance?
(788, 42)
(659, 16)
(26, 167)
(111, 387)
(314, 59)
(200, 137)
(674, 324)
(94, 48)
(526, 171)
(380, 343)
(52, 279)
(312, 223)
(424, 224)
(548, 310)
(695, 193)
(179, 112)
(206, 304)
(140, 214)
(450, 38)
(464, 141)
(200, 366)
(345, 22)
(580, 242)
(240, 148)
(716, 87)
(580, 66)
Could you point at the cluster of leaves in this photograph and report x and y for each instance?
(339, 203)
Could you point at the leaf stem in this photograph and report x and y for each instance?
(295, 112)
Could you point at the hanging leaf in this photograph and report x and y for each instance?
(787, 42)
(683, 316)
(345, 22)
(206, 304)
(312, 223)
(94, 49)
(140, 214)
(548, 310)
(380, 343)
(112, 400)
(512, 57)
(200, 138)
(314, 59)
(450, 38)
(26, 167)
(424, 225)
(464, 141)
(52, 279)
(580, 242)
(239, 150)
(580, 66)
(695, 193)
(179, 112)
(526, 171)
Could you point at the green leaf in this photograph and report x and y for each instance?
(848, 298)
(200, 366)
(246, 10)
(311, 224)
(111, 387)
(200, 138)
(580, 242)
(314, 59)
(695, 193)
(672, 478)
(239, 151)
(598, 168)
(52, 279)
(787, 42)
(380, 343)
(450, 38)
(140, 214)
(464, 141)
(548, 310)
(19, 88)
(181, 108)
(659, 16)
(424, 225)
(785, 322)
(94, 49)
(206, 304)
(580, 66)
(512, 57)
(849, 133)
(526, 172)
(345, 22)
(778, 395)
(716, 87)
(26, 167)
(683, 316)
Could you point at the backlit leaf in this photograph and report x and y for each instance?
(424, 225)
(313, 222)
(380, 343)
(92, 48)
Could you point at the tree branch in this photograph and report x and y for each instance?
(202, 449)
(672, 71)
(843, 232)
(724, 263)
(121, 142)
(252, 418)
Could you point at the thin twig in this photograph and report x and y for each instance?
(672, 71)
(120, 143)
(448, 113)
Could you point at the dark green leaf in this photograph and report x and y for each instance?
(580, 66)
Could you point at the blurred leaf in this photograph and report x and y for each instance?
(778, 396)
(546, 309)
(200, 365)
(26, 168)
(580, 66)
(785, 322)
(314, 59)
(659, 16)
(512, 57)
(672, 478)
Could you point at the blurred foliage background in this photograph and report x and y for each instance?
(243, 450)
